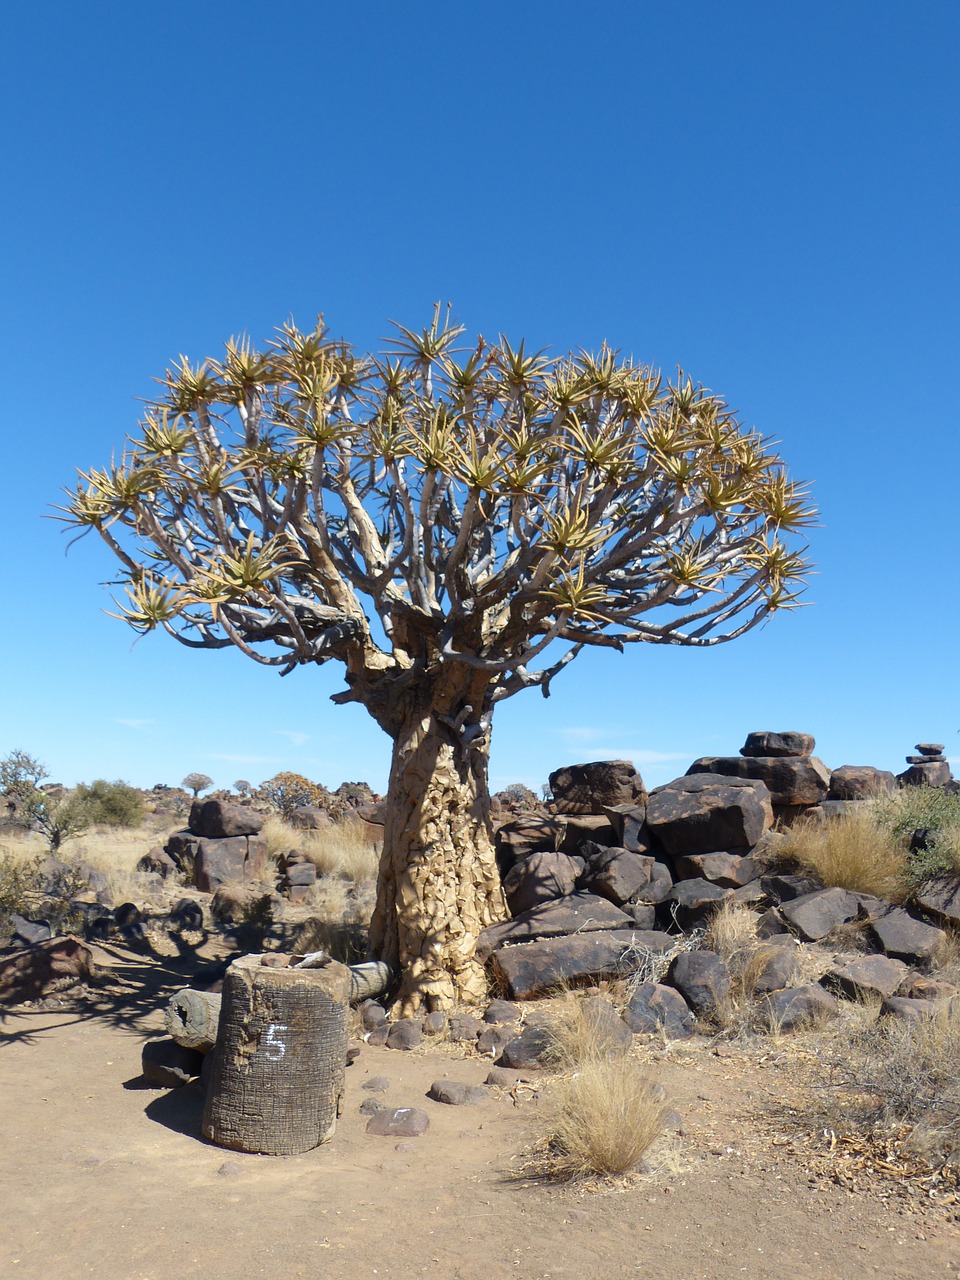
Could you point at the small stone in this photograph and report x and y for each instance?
(229, 1169)
(654, 1006)
(499, 1011)
(435, 1024)
(492, 1042)
(865, 976)
(503, 1077)
(376, 1084)
(378, 1036)
(464, 1027)
(372, 1016)
(406, 1034)
(456, 1093)
(531, 1048)
(814, 915)
(907, 1010)
(400, 1122)
(797, 1007)
(702, 979)
(370, 1106)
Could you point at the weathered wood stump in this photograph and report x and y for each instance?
(278, 1064)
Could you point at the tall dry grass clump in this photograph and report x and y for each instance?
(853, 851)
(605, 1111)
(343, 850)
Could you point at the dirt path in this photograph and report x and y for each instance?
(100, 1177)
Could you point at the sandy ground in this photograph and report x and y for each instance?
(101, 1177)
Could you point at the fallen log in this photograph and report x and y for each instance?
(192, 1017)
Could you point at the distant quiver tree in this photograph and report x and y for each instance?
(454, 526)
(197, 782)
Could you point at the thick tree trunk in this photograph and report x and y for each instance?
(438, 884)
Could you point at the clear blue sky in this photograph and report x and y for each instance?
(766, 193)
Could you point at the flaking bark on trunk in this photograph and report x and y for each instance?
(438, 885)
(279, 1060)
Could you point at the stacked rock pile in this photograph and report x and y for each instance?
(220, 846)
(928, 768)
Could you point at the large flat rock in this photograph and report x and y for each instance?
(530, 969)
(791, 780)
(576, 913)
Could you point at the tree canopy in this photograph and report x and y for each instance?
(507, 505)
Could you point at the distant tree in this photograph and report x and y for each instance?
(59, 818)
(20, 774)
(487, 509)
(197, 782)
(289, 791)
(243, 786)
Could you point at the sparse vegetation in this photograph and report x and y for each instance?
(342, 850)
(899, 1073)
(288, 791)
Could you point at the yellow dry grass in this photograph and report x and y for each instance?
(343, 850)
(851, 852)
(603, 1114)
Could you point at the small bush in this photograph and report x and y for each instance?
(340, 850)
(853, 851)
(111, 804)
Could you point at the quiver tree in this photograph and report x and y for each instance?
(454, 526)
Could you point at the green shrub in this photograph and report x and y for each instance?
(114, 804)
(288, 791)
(931, 810)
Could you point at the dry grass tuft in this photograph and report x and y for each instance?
(731, 931)
(601, 1120)
(851, 852)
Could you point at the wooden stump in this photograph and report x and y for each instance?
(278, 1064)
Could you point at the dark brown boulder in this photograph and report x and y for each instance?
(859, 781)
(902, 936)
(865, 976)
(157, 861)
(816, 914)
(540, 878)
(219, 820)
(934, 773)
(778, 744)
(791, 780)
(702, 979)
(532, 968)
(590, 788)
(578, 913)
(731, 870)
(941, 898)
(654, 1007)
(307, 817)
(617, 874)
(797, 1007)
(701, 813)
(522, 836)
(35, 971)
(692, 902)
(629, 826)
(586, 826)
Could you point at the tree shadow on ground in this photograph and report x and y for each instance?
(126, 992)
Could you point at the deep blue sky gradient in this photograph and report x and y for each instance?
(766, 194)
